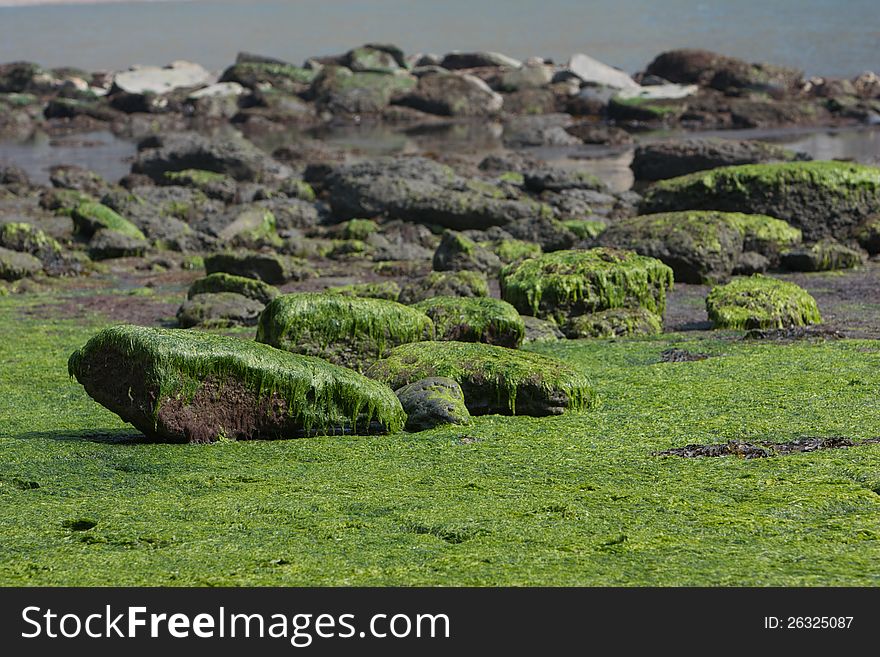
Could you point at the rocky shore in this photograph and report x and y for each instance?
(420, 273)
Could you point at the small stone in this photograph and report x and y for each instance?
(431, 402)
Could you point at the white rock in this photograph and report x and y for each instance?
(595, 72)
(659, 92)
(219, 90)
(161, 80)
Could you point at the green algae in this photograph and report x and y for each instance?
(318, 324)
(196, 177)
(512, 250)
(175, 363)
(617, 322)
(585, 229)
(474, 319)
(492, 377)
(20, 236)
(90, 217)
(251, 288)
(563, 283)
(761, 302)
(358, 229)
(382, 290)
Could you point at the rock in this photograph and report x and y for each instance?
(658, 92)
(531, 75)
(677, 158)
(759, 302)
(219, 310)
(375, 58)
(67, 176)
(156, 80)
(592, 71)
(445, 284)
(213, 185)
(531, 101)
(586, 229)
(617, 322)
(108, 243)
(867, 234)
(821, 198)
(431, 402)
(19, 77)
(190, 386)
(707, 68)
(459, 60)
(545, 130)
(545, 231)
(557, 179)
(235, 157)
(400, 240)
(246, 226)
(752, 262)
(347, 330)
(275, 73)
(382, 290)
(15, 265)
(512, 250)
(645, 110)
(250, 288)
(26, 238)
(591, 101)
(268, 267)
(291, 213)
(90, 217)
(540, 330)
(825, 255)
(701, 246)
(457, 252)
(474, 319)
(493, 379)
(568, 283)
(339, 90)
(423, 191)
(453, 94)
(590, 133)
(218, 90)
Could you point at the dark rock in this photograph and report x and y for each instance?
(340, 90)
(453, 94)
(268, 267)
(15, 265)
(556, 179)
(464, 60)
(549, 233)
(825, 255)
(432, 402)
(456, 252)
(445, 284)
(106, 244)
(751, 262)
(540, 330)
(219, 310)
(722, 72)
(590, 133)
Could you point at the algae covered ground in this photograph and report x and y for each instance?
(580, 499)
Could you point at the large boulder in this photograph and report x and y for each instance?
(759, 302)
(493, 379)
(235, 157)
(821, 198)
(421, 190)
(701, 246)
(185, 386)
(431, 402)
(721, 72)
(475, 319)
(565, 284)
(343, 329)
(220, 282)
(341, 90)
(453, 94)
(669, 159)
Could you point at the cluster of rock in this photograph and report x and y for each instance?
(692, 88)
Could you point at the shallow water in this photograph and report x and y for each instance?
(828, 37)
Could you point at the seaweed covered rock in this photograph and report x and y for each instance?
(617, 322)
(564, 284)
(457, 252)
(824, 255)
(475, 319)
(445, 284)
(382, 290)
(347, 330)
(540, 330)
(868, 234)
(670, 159)
(493, 379)
(90, 217)
(213, 185)
(106, 244)
(219, 310)
(701, 246)
(557, 179)
(453, 94)
(268, 267)
(821, 198)
(27, 238)
(184, 386)
(341, 90)
(431, 402)
(251, 288)
(760, 302)
(15, 265)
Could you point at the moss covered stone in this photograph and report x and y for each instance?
(475, 319)
(432, 402)
(446, 284)
(702, 246)
(821, 198)
(617, 322)
(15, 265)
(358, 229)
(493, 379)
(211, 184)
(187, 386)
(568, 283)
(281, 76)
(24, 237)
(586, 229)
(343, 329)
(825, 255)
(251, 288)
(90, 217)
(511, 250)
(268, 267)
(760, 302)
(868, 234)
(381, 290)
